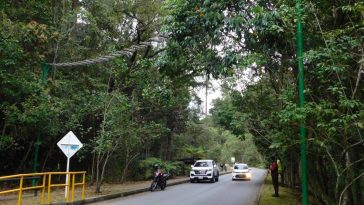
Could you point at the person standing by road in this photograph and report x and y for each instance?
(222, 166)
(273, 168)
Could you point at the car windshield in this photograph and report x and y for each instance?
(240, 166)
(203, 164)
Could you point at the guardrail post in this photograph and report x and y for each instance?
(68, 187)
(73, 186)
(49, 188)
(43, 188)
(83, 185)
(20, 190)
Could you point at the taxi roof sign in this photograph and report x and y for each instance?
(69, 144)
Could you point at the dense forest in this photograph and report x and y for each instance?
(132, 111)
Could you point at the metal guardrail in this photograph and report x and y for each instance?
(46, 184)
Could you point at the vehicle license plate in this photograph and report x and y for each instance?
(200, 177)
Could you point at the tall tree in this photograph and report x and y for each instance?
(260, 36)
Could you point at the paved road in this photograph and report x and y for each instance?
(224, 192)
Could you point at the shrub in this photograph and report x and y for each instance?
(149, 165)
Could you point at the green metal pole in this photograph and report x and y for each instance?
(38, 142)
(45, 70)
(301, 88)
(36, 152)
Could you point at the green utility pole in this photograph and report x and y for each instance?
(38, 142)
(301, 88)
(45, 70)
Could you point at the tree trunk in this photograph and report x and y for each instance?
(171, 124)
(126, 165)
(21, 164)
(169, 145)
(103, 171)
(50, 150)
(101, 164)
(206, 93)
(98, 184)
(92, 181)
(357, 190)
(347, 179)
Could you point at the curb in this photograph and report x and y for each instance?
(118, 195)
(257, 198)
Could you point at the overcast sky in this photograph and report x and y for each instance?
(243, 78)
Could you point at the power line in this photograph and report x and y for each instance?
(128, 52)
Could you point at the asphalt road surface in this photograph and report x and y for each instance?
(223, 192)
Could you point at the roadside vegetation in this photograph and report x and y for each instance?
(141, 109)
(287, 196)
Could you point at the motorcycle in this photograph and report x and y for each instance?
(159, 180)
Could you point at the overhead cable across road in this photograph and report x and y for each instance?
(125, 52)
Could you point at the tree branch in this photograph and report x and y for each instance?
(361, 68)
(344, 190)
(351, 165)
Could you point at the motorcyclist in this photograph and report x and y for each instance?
(158, 174)
(158, 169)
(159, 179)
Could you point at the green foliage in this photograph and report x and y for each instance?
(127, 110)
(207, 140)
(149, 165)
(190, 151)
(7, 142)
(135, 108)
(267, 107)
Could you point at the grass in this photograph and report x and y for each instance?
(287, 196)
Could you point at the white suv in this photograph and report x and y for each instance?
(204, 170)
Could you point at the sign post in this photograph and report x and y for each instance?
(69, 145)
